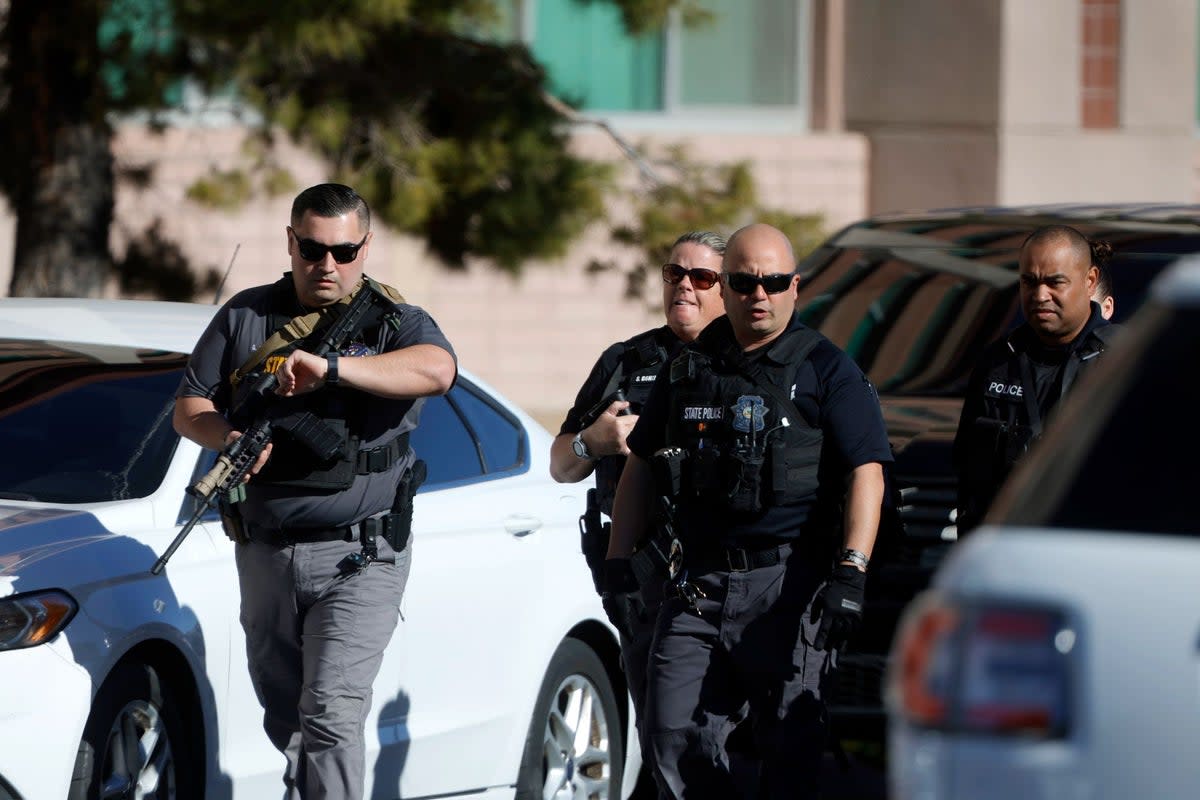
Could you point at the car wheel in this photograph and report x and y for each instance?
(132, 744)
(574, 747)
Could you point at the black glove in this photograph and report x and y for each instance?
(839, 607)
(618, 587)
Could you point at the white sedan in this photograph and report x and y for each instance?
(1056, 656)
(502, 677)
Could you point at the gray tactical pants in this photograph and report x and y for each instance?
(314, 641)
(749, 648)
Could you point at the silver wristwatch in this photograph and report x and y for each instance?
(580, 447)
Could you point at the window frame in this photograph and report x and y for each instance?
(675, 116)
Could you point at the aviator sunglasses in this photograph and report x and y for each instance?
(315, 251)
(701, 278)
(745, 283)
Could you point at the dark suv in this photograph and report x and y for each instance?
(914, 298)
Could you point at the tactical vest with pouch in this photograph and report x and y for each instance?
(316, 437)
(747, 446)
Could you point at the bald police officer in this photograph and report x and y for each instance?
(769, 443)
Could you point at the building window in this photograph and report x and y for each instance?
(751, 56)
(1100, 95)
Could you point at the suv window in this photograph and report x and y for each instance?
(915, 301)
(1122, 457)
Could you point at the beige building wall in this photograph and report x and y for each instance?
(923, 84)
(970, 102)
(1045, 155)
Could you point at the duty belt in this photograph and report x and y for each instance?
(737, 559)
(285, 537)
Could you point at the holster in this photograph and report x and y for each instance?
(398, 525)
(593, 537)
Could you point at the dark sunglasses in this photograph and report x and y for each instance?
(315, 251)
(701, 278)
(745, 283)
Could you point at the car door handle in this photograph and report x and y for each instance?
(522, 524)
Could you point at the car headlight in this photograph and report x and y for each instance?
(27, 620)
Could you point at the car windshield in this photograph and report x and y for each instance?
(915, 302)
(1121, 456)
(84, 423)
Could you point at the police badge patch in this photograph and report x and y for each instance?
(749, 413)
(358, 349)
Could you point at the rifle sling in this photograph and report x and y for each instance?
(300, 328)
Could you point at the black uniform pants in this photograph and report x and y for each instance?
(635, 657)
(748, 648)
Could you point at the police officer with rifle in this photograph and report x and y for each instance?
(767, 445)
(592, 437)
(309, 387)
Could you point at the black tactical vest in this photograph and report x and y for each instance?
(1012, 420)
(746, 445)
(642, 359)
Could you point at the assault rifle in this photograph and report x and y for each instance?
(232, 465)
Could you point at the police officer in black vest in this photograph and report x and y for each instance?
(769, 444)
(322, 543)
(592, 437)
(1021, 377)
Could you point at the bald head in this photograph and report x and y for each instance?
(760, 278)
(760, 236)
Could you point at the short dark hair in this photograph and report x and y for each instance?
(713, 241)
(1103, 282)
(331, 200)
(1061, 233)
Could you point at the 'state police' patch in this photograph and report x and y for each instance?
(703, 413)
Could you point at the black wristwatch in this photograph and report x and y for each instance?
(331, 374)
(580, 447)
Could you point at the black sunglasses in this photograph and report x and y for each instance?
(315, 251)
(745, 283)
(701, 278)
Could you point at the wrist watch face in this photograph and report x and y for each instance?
(579, 447)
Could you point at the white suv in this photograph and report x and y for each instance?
(1056, 654)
